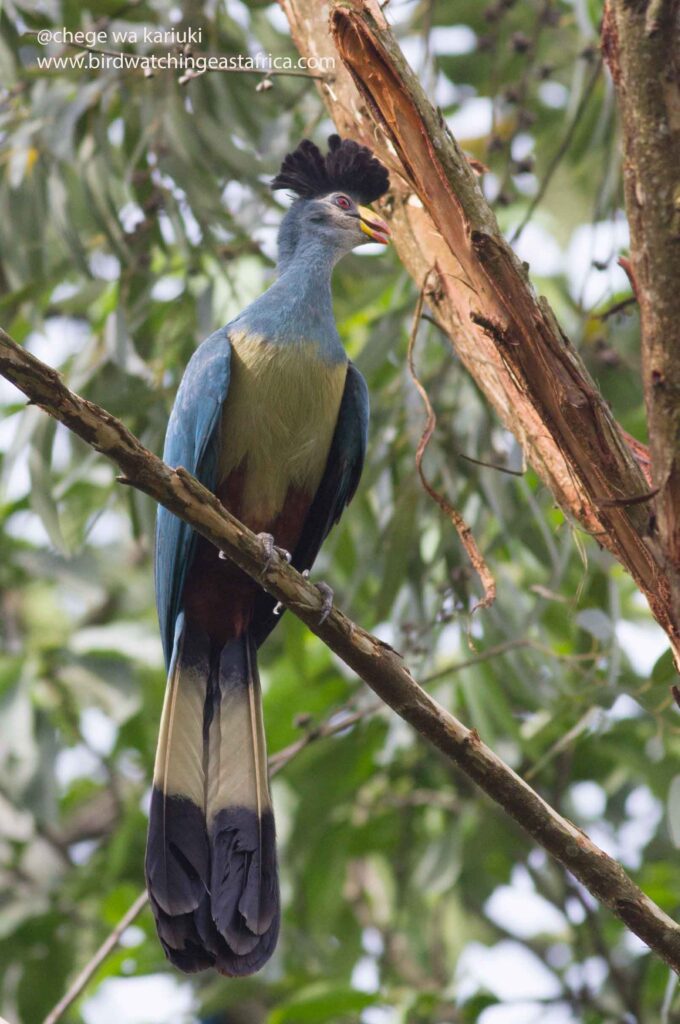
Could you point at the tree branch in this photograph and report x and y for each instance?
(107, 947)
(378, 664)
(641, 44)
(508, 339)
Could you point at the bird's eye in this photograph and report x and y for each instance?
(343, 202)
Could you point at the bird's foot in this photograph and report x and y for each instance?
(270, 550)
(327, 595)
(327, 606)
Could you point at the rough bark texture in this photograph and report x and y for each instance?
(641, 44)
(508, 339)
(381, 667)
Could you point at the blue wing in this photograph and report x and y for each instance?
(336, 490)
(192, 441)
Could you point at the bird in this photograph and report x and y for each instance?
(272, 417)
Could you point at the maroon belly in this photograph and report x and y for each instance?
(218, 596)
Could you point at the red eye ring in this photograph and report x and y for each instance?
(343, 202)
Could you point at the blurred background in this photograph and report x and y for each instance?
(135, 217)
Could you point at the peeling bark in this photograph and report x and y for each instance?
(508, 339)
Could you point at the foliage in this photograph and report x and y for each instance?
(134, 218)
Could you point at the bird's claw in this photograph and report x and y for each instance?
(271, 549)
(327, 595)
(327, 606)
(268, 545)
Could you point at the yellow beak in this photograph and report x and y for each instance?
(373, 226)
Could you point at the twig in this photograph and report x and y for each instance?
(464, 532)
(490, 465)
(669, 995)
(339, 721)
(565, 742)
(107, 946)
(378, 664)
(618, 307)
(476, 659)
(462, 455)
(626, 265)
(633, 499)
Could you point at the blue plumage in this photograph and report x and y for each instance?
(273, 418)
(191, 441)
(299, 305)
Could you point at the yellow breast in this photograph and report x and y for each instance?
(278, 420)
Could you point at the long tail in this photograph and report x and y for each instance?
(211, 851)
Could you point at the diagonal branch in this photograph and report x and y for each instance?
(90, 968)
(508, 339)
(378, 664)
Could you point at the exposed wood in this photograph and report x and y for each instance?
(507, 337)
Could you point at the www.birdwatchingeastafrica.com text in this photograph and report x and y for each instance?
(97, 61)
(93, 57)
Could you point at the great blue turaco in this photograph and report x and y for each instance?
(272, 417)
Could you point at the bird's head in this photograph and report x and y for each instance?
(333, 193)
(340, 220)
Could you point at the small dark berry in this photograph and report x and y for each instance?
(525, 165)
(520, 42)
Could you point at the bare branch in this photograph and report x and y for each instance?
(107, 946)
(618, 307)
(378, 664)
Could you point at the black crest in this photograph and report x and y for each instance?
(347, 167)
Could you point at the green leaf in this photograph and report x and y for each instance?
(320, 1003)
